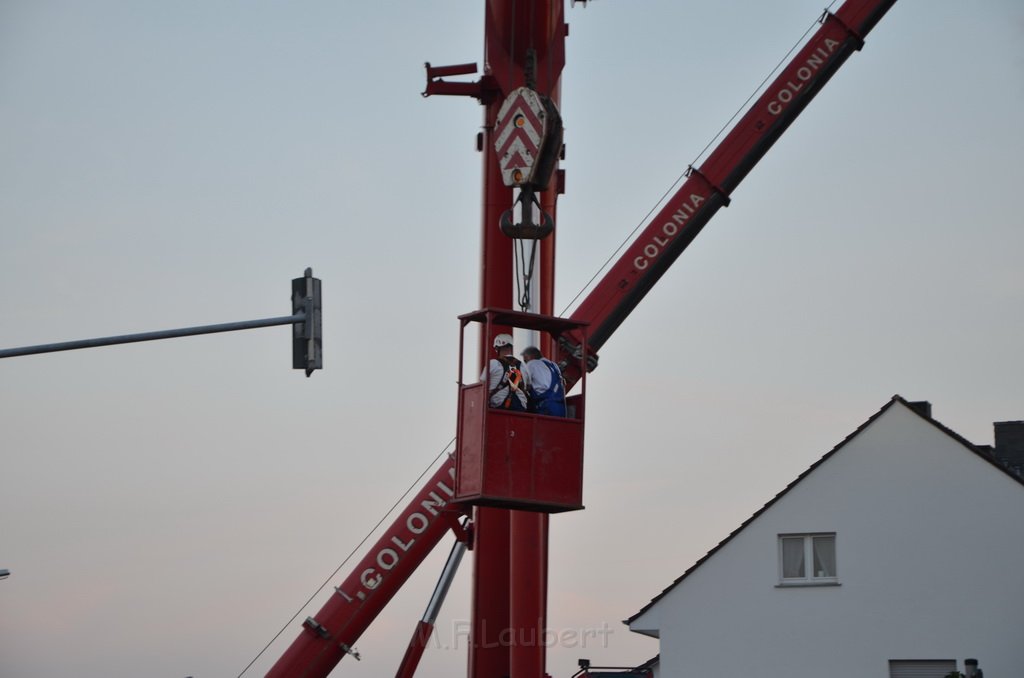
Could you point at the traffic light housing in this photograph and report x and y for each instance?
(307, 334)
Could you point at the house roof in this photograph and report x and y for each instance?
(981, 451)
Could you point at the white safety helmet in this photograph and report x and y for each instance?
(502, 340)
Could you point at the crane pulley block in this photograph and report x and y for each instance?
(528, 139)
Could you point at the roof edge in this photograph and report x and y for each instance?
(895, 399)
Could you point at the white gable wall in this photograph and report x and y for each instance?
(930, 561)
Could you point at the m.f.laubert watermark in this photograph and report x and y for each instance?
(568, 638)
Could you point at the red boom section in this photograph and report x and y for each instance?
(329, 636)
(708, 188)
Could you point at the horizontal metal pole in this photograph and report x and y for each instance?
(152, 336)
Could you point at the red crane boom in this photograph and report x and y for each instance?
(708, 187)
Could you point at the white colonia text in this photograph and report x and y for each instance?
(664, 235)
(803, 74)
(416, 523)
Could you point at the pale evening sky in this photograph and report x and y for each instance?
(166, 507)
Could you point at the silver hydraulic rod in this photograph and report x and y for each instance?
(425, 627)
(444, 582)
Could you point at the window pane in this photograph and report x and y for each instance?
(824, 556)
(793, 558)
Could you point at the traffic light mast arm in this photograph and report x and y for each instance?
(308, 333)
(708, 187)
(152, 336)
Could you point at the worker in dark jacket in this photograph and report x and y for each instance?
(545, 388)
(504, 377)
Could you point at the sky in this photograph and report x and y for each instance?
(165, 508)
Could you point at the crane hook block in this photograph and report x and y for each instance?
(529, 139)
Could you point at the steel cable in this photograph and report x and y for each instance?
(316, 593)
(686, 172)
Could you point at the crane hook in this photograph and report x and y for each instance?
(527, 230)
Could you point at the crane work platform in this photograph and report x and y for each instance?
(519, 460)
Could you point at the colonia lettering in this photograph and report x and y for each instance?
(668, 230)
(815, 61)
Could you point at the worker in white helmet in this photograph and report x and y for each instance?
(505, 382)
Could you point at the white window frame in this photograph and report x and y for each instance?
(809, 578)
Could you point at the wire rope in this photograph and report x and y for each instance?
(316, 593)
(524, 272)
(700, 155)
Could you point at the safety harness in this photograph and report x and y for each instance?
(551, 401)
(512, 377)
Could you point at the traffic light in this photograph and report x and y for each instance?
(307, 336)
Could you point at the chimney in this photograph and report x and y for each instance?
(922, 407)
(1009, 447)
